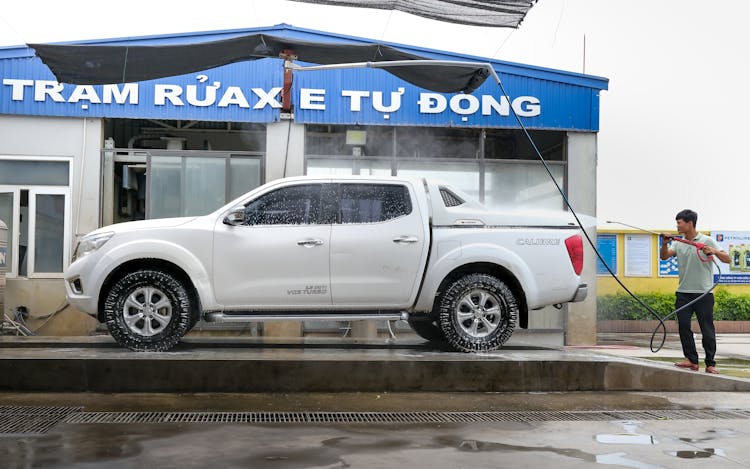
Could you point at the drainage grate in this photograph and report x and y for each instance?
(25, 420)
(400, 417)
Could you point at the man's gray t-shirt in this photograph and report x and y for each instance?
(696, 276)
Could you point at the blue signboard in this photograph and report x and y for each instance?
(251, 92)
(669, 267)
(375, 97)
(606, 244)
(242, 92)
(732, 279)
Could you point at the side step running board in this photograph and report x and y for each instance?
(354, 316)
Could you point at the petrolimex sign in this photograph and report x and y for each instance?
(250, 92)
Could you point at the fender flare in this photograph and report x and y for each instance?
(162, 251)
(480, 253)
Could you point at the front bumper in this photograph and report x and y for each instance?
(81, 302)
(79, 289)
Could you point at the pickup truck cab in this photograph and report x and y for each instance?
(339, 248)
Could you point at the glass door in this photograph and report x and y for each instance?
(49, 234)
(8, 210)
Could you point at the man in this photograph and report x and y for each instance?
(696, 278)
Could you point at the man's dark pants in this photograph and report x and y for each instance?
(704, 311)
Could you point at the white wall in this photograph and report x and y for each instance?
(79, 139)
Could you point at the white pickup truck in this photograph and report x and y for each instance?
(333, 248)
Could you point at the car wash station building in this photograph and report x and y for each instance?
(77, 157)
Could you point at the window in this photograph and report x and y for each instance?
(293, 205)
(188, 183)
(464, 175)
(35, 206)
(6, 216)
(346, 167)
(23, 172)
(497, 167)
(437, 142)
(331, 140)
(244, 175)
(523, 185)
(506, 144)
(48, 232)
(371, 203)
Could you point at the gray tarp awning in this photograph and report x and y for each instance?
(493, 13)
(96, 64)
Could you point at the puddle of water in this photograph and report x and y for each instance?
(630, 436)
(719, 433)
(469, 445)
(705, 453)
(619, 459)
(626, 439)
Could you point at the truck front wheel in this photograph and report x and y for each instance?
(478, 312)
(426, 328)
(148, 310)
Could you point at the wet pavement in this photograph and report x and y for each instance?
(732, 356)
(635, 443)
(728, 346)
(635, 429)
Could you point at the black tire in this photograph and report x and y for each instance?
(477, 313)
(426, 327)
(148, 310)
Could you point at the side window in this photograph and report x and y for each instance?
(293, 205)
(370, 203)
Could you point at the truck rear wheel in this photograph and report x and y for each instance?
(148, 310)
(478, 312)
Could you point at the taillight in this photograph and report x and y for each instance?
(575, 251)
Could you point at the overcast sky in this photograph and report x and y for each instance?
(671, 122)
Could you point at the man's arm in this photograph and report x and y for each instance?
(713, 249)
(664, 252)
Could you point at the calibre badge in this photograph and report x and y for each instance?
(309, 290)
(538, 241)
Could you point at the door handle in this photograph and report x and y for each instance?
(308, 243)
(406, 240)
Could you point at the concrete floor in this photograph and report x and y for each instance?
(251, 365)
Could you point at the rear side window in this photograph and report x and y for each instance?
(293, 205)
(371, 203)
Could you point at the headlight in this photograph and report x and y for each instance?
(90, 244)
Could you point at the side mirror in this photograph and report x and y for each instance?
(236, 217)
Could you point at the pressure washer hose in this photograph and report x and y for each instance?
(593, 245)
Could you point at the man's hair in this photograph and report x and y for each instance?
(688, 215)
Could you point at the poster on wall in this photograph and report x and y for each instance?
(606, 244)
(669, 267)
(638, 255)
(737, 244)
